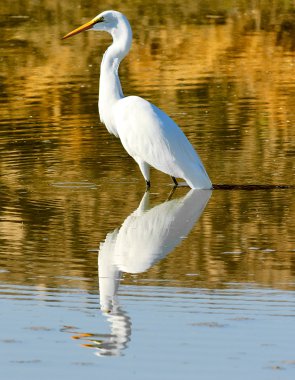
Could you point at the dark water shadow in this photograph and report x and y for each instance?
(251, 187)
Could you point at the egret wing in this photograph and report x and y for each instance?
(148, 134)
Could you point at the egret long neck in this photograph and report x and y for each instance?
(110, 90)
(110, 86)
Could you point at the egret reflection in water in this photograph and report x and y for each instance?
(146, 236)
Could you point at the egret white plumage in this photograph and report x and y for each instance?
(150, 136)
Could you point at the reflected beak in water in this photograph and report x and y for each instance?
(81, 28)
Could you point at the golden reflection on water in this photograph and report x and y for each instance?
(225, 73)
(230, 85)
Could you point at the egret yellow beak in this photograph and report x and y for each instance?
(81, 28)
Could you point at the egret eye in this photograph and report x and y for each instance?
(101, 19)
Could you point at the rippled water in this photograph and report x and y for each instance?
(98, 278)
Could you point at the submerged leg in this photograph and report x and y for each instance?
(174, 180)
(171, 193)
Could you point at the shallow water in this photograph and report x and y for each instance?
(98, 278)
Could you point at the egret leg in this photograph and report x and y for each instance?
(174, 180)
(171, 193)
(145, 170)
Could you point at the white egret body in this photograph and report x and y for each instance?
(150, 136)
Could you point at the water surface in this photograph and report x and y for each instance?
(99, 278)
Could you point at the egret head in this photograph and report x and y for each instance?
(108, 21)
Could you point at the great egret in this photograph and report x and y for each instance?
(150, 136)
